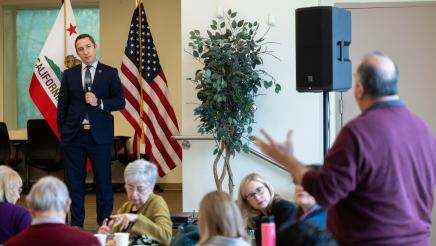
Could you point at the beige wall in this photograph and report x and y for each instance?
(115, 16)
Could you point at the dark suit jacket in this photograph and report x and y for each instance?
(72, 107)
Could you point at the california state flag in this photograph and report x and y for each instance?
(57, 54)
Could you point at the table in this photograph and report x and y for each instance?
(18, 135)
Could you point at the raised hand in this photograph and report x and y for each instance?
(280, 152)
(283, 153)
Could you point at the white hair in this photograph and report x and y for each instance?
(49, 193)
(10, 181)
(141, 171)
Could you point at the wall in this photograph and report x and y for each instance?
(275, 113)
(164, 19)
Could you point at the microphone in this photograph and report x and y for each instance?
(88, 86)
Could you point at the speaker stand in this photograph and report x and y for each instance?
(326, 121)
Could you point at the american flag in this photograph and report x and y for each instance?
(158, 119)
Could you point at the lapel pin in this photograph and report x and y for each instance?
(99, 70)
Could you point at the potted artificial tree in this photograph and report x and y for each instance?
(227, 84)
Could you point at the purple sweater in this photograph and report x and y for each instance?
(377, 180)
(13, 219)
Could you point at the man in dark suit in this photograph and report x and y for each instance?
(89, 92)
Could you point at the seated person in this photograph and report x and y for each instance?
(303, 233)
(220, 221)
(145, 213)
(257, 199)
(188, 235)
(49, 203)
(308, 209)
(14, 218)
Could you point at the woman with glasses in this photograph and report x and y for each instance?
(13, 218)
(257, 199)
(144, 213)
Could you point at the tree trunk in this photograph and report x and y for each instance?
(229, 170)
(219, 178)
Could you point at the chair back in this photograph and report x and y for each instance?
(5, 144)
(42, 143)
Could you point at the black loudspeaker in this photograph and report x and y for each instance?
(323, 37)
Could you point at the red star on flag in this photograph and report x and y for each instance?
(72, 29)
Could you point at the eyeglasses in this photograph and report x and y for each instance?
(20, 189)
(139, 189)
(259, 191)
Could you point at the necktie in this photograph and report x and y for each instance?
(88, 84)
(88, 79)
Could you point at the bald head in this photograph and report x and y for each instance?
(378, 75)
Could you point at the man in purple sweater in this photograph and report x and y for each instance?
(377, 180)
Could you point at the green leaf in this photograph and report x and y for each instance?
(209, 34)
(233, 15)
(249, 129)
(229, 12)
(245, 148)
(240, 23)
(213, 27)
(215, 151)
(195, 53)
(234, 24)
(223, 24)
(267, 84)
(278, 88)
(207, 73)
(214, 22)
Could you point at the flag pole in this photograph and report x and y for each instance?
(65, 32)
(141, 139)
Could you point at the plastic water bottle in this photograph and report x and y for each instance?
(268, 231)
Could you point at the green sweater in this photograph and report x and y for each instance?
(153, 221)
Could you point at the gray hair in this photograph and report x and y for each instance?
(49, 193)
(379, 75)
(141, 171)
(10, 181)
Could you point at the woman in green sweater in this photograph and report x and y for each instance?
(144, 213)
